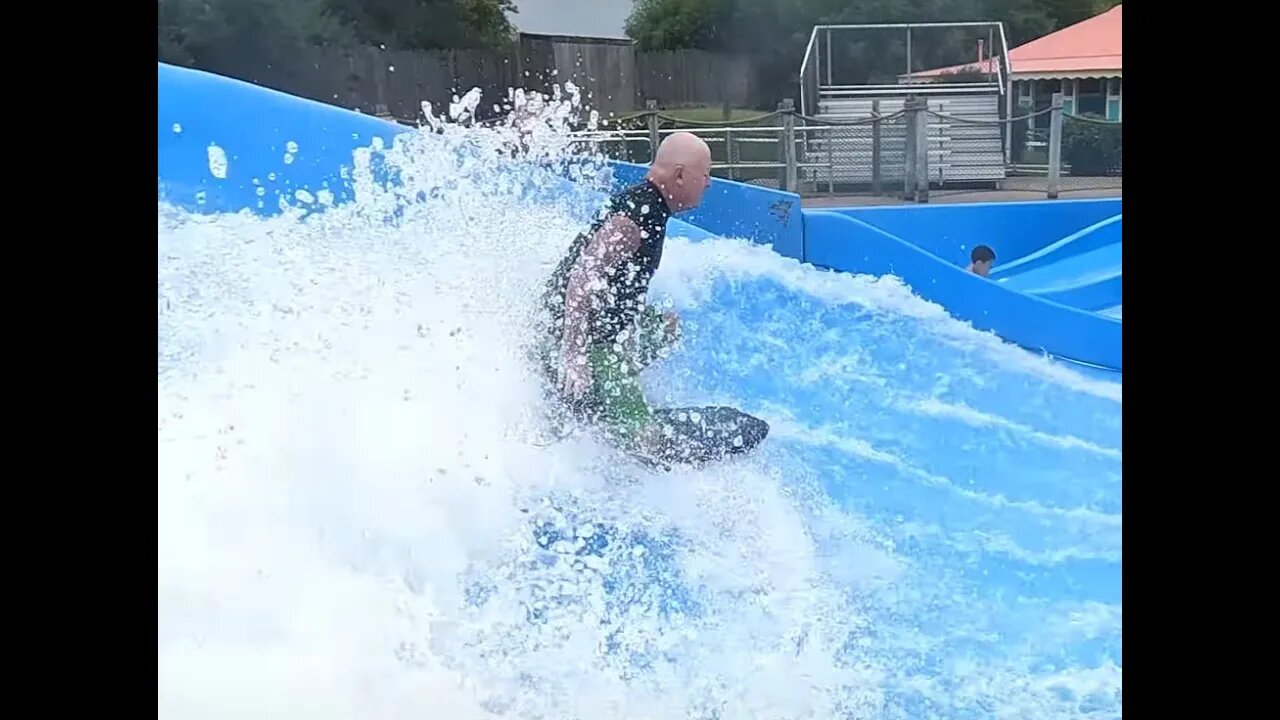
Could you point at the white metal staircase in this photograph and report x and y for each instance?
(964, 140)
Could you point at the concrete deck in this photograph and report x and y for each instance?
(953, 196)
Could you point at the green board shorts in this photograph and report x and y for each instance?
(615, 397)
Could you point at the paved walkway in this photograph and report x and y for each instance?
(938, 197)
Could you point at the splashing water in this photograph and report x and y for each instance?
(355, 522)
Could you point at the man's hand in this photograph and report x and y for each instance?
(672, 325)
(575, 374)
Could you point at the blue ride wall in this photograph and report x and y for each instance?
(925, 246)
(253, 125)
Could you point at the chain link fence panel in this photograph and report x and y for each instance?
(964, 151)
(1091, 154)
(746, 150)
(865, 156)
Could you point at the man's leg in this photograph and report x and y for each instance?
(616, 392)
(557, 416)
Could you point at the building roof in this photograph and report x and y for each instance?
(1088, 47)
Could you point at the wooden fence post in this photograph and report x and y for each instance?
(1055, 144)
(788, 109)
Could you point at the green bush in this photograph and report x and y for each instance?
(1091, 148)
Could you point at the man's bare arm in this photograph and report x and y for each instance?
(617, 239)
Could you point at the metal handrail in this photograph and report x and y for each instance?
(896, 86)
(908, 87)
(1003, 70)
(1004, 56)
(939, 89)
(804, 66)
(900, 26)
(808, 51)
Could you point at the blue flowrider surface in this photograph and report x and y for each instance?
(359, 517)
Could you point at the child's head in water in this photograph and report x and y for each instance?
(981, 260)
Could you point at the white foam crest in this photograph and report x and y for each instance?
(1007, 691)
(977, 542)
(937, 408)
(1081, 517)
(689, 274)
(1087, 621)
(344, 423)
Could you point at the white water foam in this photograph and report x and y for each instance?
(694, 266)
(356, 521)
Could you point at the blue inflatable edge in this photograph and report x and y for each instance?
(230, 146)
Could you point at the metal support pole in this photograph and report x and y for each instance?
(731, 152)
(828, 57)
(922, 150)
(875, 147)
(817, 68)
(1055, 144)
(909, 157)
(787, 108)
(1008, 126)
(908, 53)
(651, 106)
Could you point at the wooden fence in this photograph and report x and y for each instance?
(613, 75)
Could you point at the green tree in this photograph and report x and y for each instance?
(214, 34)
(423, 24)
(777, 31)
(723, 25)
(1024, 20)
(674, 24)
(760, 24)
(1070, 12)
(222, 34)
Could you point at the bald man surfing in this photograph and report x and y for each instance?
(603, 333)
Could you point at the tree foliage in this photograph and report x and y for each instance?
(723, 24)
(777, 31)
(213, 33)
(423, 24)
(759, 24)
(250, 35)
(210, 32)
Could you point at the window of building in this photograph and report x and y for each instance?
(1090, 97)
(1114, 104)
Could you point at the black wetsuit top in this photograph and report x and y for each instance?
(615, 307)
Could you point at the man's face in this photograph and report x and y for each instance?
(692, 181)
(982, 267)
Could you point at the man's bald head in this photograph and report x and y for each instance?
(682, 148)
(682, 170)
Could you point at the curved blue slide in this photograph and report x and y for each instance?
(1055, 287)
(932, 529)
